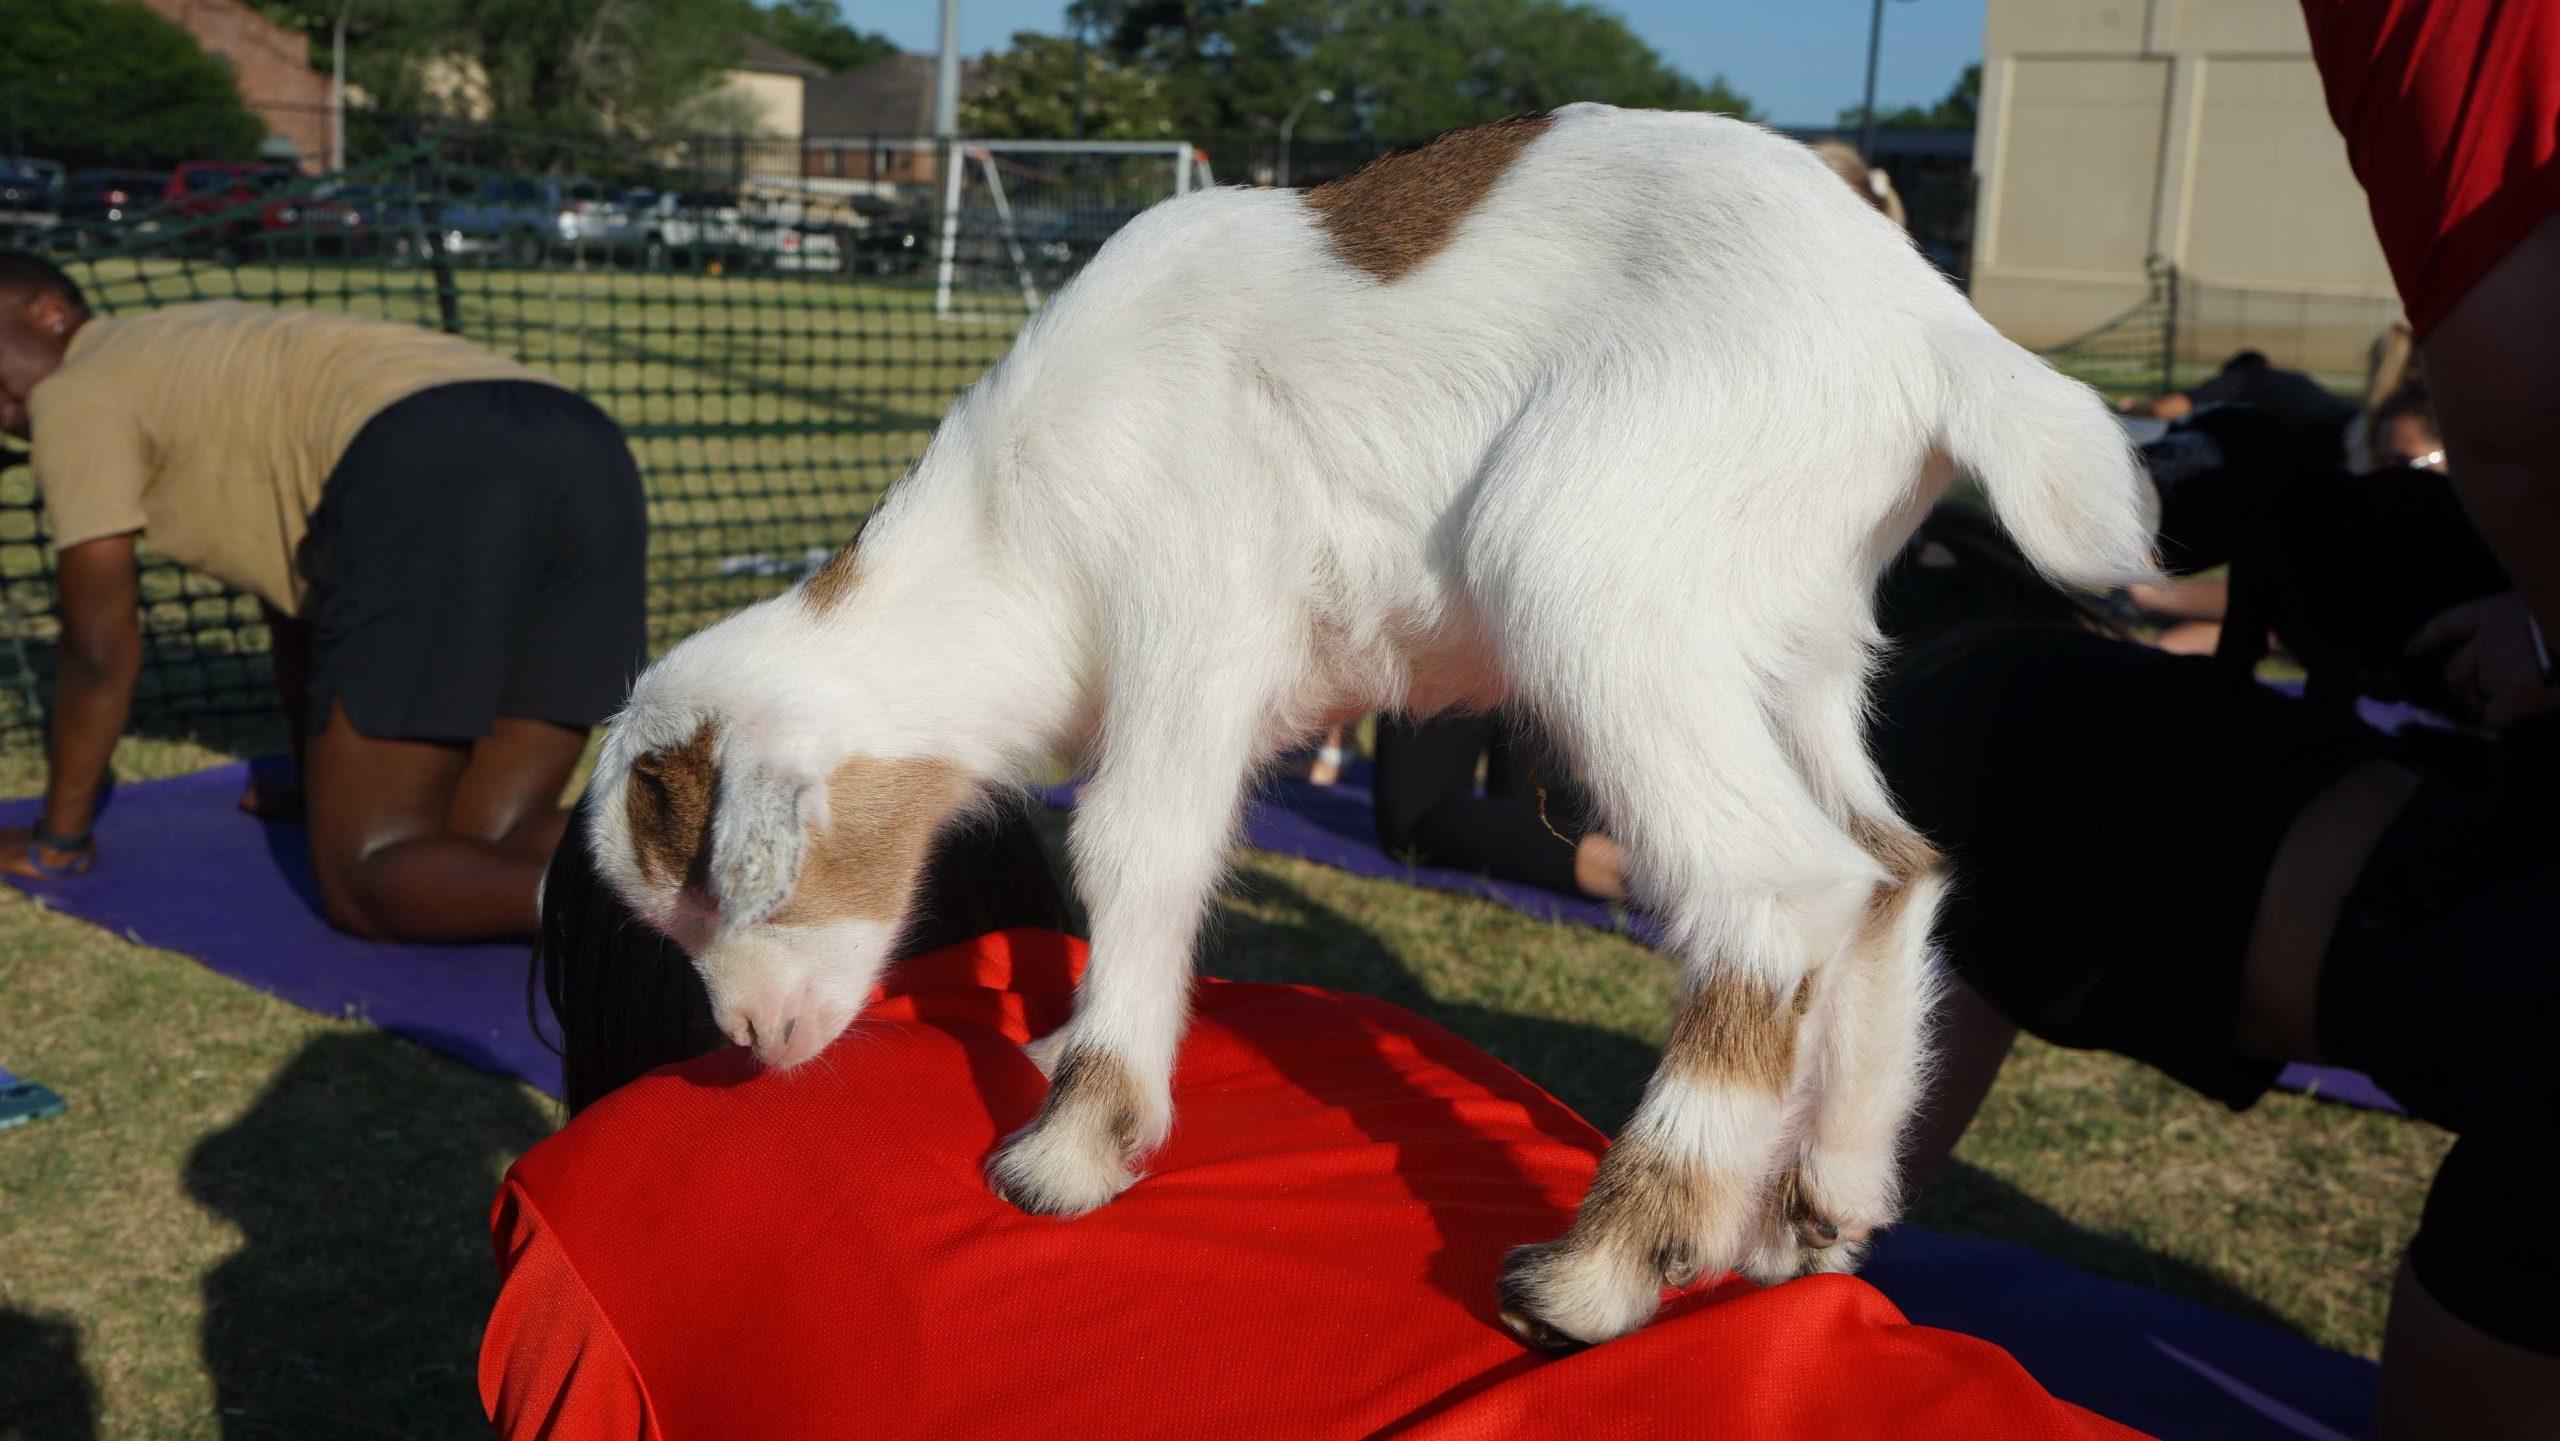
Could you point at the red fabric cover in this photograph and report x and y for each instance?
(2451, 110)
(711, 1252)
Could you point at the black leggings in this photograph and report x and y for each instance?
(1429, 811)
(2444, 986)
(2111, 812)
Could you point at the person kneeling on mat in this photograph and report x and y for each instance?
(450, 549)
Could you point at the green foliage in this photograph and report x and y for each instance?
(574, 68)
(108, 82)
(816, 30)
(1397, 69)
(1048, 87)
(1954, 112)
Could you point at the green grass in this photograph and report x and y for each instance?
(258, 1222)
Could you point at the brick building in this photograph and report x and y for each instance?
(273, 69)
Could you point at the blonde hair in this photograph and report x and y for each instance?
(1871, 182)
(2392, 367)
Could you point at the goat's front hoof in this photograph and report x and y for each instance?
(1563, 1296)
(1049, 1170)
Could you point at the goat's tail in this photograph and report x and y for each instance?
(2057, 468)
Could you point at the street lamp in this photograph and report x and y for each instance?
(338, 90)
(1867, 112)
(1289, 124)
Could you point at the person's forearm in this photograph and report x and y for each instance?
(91, 698)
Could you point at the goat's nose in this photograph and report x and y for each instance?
(767, 1028)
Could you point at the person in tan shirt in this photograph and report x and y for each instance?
(449, 548)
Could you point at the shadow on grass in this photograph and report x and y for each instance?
(360, 1181)
(1968, 1201)
(45, 1393)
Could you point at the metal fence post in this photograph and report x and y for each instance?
(2168, 282)
(430, 218)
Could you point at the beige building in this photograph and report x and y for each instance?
(768, 88)
(2114, 131)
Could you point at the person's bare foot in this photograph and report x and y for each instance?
(1600, 868)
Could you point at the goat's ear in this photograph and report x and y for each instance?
(757, 836)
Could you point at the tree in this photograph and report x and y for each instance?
(1955, 111)
(816, 30)
(1048, 87)
(95, 83)
(1398, 69)
(643, 69)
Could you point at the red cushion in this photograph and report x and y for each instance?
(713, 1252)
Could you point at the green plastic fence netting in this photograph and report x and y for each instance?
(778, 351)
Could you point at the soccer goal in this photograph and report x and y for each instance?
(1018, 217)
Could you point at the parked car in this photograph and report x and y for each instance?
(525, 218)
(664, 229)
(107, 204)
(30, 194)
(217, 202)
(803, 248)
(889, 237)
(319, 221)
(789, 231)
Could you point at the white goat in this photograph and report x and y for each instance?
(1613, 416)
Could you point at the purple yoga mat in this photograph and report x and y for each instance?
(183, 868)
(1332, 826)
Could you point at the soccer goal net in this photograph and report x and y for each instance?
(1016, 218)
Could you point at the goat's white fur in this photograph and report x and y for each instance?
(1628, 453)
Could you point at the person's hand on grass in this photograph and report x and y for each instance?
(21, 854)
(2489, 659)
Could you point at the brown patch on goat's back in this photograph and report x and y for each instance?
(668, 801)
(882, 816)
(1399, 210)
(1736, 1028)
(829, 583)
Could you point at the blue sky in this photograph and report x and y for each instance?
(1799, 61)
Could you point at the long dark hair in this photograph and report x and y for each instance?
(628, 1001)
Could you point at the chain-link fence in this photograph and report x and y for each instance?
(777, 345)
(2184, 329)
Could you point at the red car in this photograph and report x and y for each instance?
(218, 200)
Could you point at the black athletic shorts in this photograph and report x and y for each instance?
(480, 550)
(2109, 812)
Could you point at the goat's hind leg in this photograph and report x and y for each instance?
(1869, 1028)
(1760, 891)
(1868, 1023)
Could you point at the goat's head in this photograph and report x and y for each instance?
(771, 824)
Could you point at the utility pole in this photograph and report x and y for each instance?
(1867, 112)
(946, 138)
(338, 90)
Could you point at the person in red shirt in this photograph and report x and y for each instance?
(2451, 113)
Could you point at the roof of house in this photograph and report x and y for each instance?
(758, 54)
(890, 96)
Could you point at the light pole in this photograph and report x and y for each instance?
(1289, 126)
(1867, 112)
(338, 90)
